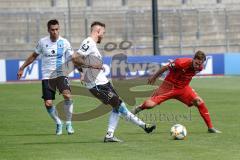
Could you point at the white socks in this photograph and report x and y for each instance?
(112, 124)
(129, 116)
(53, 113)
(68, 109)
(114, 118)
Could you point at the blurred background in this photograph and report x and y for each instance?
(184, 26)
(144, 30)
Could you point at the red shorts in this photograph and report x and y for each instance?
(185, 95)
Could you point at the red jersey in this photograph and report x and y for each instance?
(181, 72)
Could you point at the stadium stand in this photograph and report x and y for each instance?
(184, 25)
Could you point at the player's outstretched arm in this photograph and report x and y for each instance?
(152, 79)
(28, 61)
(78, 61)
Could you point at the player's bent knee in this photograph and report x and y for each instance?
(197, 101)
(48, 103)
(115, 101)
(66, 94)
(149, 104)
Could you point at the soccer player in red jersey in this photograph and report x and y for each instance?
(176, 86)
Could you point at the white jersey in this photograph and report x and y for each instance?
(55, 56)
(89, 47)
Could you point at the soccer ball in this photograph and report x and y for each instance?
(178, 132)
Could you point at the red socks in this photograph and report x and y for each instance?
(205, 114)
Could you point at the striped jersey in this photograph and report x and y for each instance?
(54, 55)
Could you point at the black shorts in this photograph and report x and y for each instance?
(106, 94)
(49, 87)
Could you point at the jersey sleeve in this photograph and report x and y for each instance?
(178, 64)
(38, 48)
(84, 49)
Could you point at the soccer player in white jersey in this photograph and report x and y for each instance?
(54, 51)
(101, 88)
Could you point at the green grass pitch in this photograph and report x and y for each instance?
(27, 132)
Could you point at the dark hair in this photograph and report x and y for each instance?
(96, 23)
(200, 55)
(52, 22)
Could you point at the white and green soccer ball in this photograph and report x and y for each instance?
(178, 132)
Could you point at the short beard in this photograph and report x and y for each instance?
(99, 40)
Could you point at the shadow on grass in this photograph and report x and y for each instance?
(143, 132)
(60, 142)
(28, 134)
